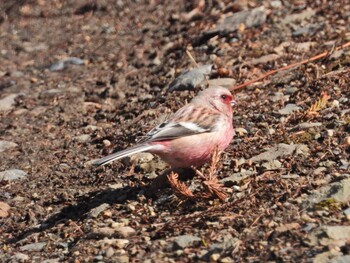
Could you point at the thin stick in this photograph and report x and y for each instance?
(324, 54)
(191, 58)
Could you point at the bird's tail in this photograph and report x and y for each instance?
(118, 155)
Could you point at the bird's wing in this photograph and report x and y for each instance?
(189, 120)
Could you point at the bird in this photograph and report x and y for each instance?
(189, 137)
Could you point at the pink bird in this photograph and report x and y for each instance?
(190, 136)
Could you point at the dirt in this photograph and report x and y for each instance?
(114, 90)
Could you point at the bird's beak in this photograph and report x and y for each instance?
(233, 102)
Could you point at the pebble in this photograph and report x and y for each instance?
(106, 143)
(50, 93)
(281, 150)
(272, 165)
(249, 18)
(337, 191)
(276, 4)
(109, 252)
(215, 257)
(20, 257)
(8, 102)
(289, 109)
(142, 157)
(33, 247)
(125, 231)
(190, 79)
(122, 259)
(94, 213)
(82, 138)
(227, 260)
(5, 145)
(13, 174)
(62, 64)
(184, 241)
(347, 141)
(291, 90)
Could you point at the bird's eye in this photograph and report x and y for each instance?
(224, 97)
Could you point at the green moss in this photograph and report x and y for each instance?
(304, 137)
(329, 204)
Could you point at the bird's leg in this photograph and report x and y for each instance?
(210, 181)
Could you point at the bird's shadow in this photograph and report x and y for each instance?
(80, 210)
(84, 204)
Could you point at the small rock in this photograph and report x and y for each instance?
(82, 138)
(272, 165)
(50, 93)
(102, 232)
(13, 174)
(338, 191)
(347, 141)
(4, 208)
(288, 109)
(18, 257)
(319, 170)
(341, 259)
(184, 241)
(215, 257)
(119, 243)
(281, 150)
(276, 4)
(291, 90)
(106, 143)
(325, 257)
(62, 64)
(125, 231)
(32, 47)
(190, 79)
(277, 96)
(122, 259)
(327, 235)
(235, 178)
(141, 157)
(347, 213)
(33, 247)
(94, 213)
(5, 145)
(109, 252)
(308, 13)
(310, 29)
(241, 131)
(345, 165)
(227, 260)
(249, 18)
(8, 102)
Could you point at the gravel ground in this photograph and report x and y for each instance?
(81, 79)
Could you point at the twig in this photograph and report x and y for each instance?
(324, 54)
(188, 53)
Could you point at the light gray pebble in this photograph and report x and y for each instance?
(12, 174)
(5, 145)
(33, 247)
(184, 241)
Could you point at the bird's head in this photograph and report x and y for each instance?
(218, 97)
